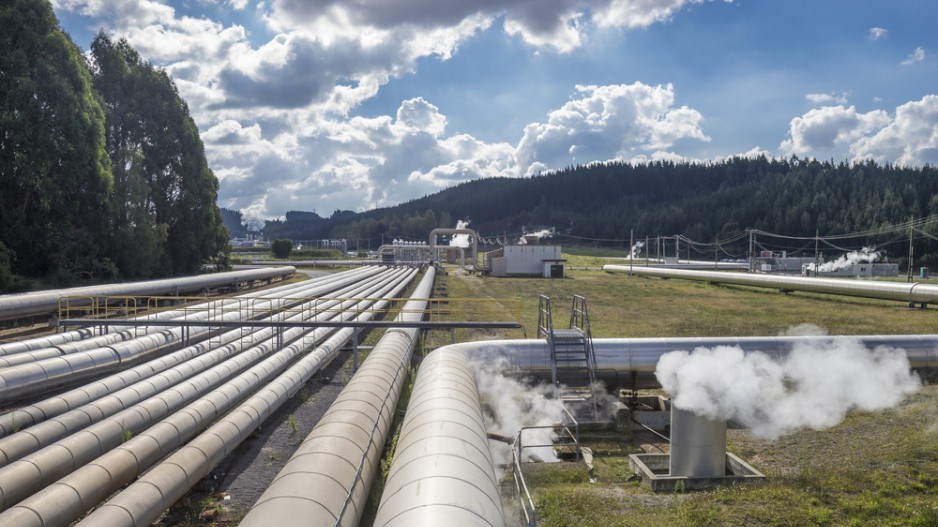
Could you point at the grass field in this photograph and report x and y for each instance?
(872, 469)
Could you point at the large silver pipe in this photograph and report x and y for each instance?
(62, 337)
(39, 435)
(224, 309)
(25, 416)
(27, 379)
(420, 487)
(473, 236)
(902, 292)
(77, 340)
(142, 502)
(442, 472)
(326, 481)
(39, 302)
(64, 500)
(631, 362)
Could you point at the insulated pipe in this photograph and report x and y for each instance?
(630, 363)
(62, 501)
(226, 309)
(25, 441)
(25, 416)
(38, 302)
(903, 292)
(23, 380)
(433, 453)
(126, 332)
(473, 235)
(442, 472)
(327, 480)
(56, 339)
(142, 502)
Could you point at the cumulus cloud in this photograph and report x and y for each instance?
(876, 33)
(915, 57)
(825, 127)
(910, 138)
(274, 109)
(362, 162)
(557, 24)
(605, 122)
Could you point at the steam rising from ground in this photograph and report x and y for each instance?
(866, 254)
(814, 386)
(509, 405)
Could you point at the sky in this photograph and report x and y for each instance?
(321, 105)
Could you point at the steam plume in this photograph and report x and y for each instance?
(539, 234)
(460, 240)
(635, 249)
(814, 386)
(866, 254)
(508, 405)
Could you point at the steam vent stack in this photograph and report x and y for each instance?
(698, 457)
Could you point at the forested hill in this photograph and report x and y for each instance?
(701, 201)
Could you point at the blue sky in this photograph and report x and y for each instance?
(324, 104)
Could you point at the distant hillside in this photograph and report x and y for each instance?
(701, 201)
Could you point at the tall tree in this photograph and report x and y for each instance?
(55, 175)
(165, 216)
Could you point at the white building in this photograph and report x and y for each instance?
(857, 269)
(526, 260)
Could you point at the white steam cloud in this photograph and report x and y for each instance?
(538, 234)
(508, 405)
(635, 249)
(460, 240)
(814, 386)
(866, 254)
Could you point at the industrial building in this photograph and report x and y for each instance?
(861, 269)
(526, 260)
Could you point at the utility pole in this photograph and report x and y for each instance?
(631, 249)
(646, 250)
(716, 253)
(909, 279)
(749, 256)
(817, 241)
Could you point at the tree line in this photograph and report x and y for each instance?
(102, 172)
(608, 202)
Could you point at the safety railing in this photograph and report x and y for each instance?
(565, 433)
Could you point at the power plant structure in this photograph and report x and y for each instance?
(114, 418)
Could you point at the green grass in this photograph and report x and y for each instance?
(873, 469)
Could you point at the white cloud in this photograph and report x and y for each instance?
(606, 122)
(557, 24)
(274, 113)
(876, 33)
(827, 98)
(362, 162)
(907, 138)
(823, 128)
(916, 56)
(635, 14)
(910, 138)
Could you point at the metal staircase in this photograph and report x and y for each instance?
(572, 361)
